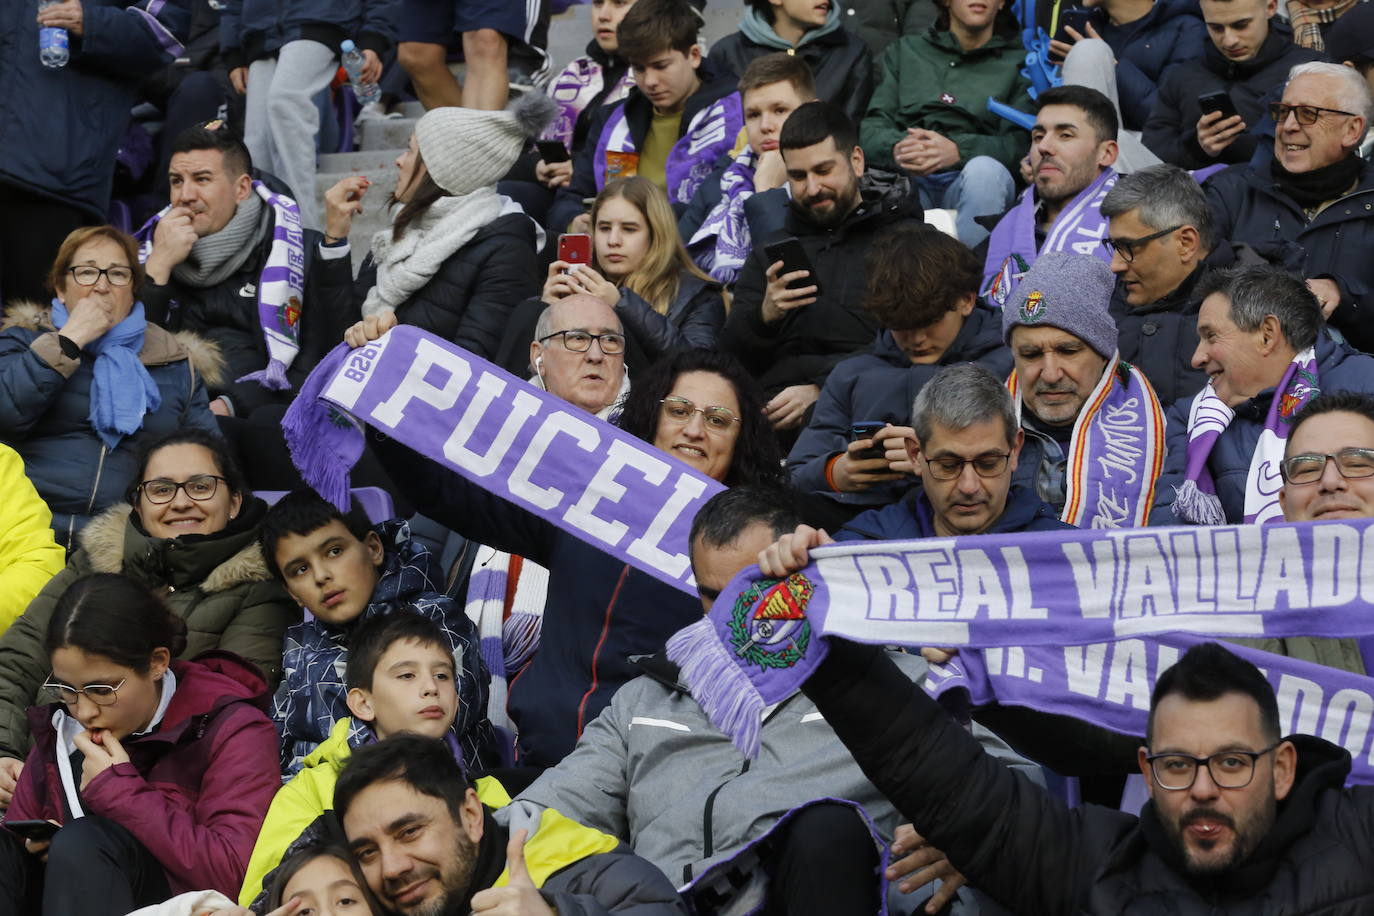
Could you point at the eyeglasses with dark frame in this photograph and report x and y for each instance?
(1307, 114)
(611, 344)
(89, 275)
(99, 694)
(1351, 463)
(1229, 769)
(160, 490)
(950, 468)
(679, 410)
(1129, 247)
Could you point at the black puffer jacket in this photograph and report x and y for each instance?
(1337, 243)
(694, 319)
(1029, 852)
(1160, 338)
(469, 299)
(226, 314)
(1171, 131)
(806, 343)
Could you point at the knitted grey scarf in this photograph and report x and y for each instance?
(214, 257)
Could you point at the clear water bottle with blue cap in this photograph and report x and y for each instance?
(353, 64)
(52, 43)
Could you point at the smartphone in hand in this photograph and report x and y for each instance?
(867, 429)
(793, 257)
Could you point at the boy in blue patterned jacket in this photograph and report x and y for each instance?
(342, 571)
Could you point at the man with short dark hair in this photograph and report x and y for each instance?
(791, 327)
(217, 259)
(1266, 354)
(646, 768)
(1241, 820)
(1073, 147)
(1316, 192)
(1249, 55)
(427, 846)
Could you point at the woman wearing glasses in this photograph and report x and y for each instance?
(698, 406)
(85, 381)
(641, 269)
(189, 534)
(158, 771)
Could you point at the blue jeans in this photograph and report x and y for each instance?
(983, 187)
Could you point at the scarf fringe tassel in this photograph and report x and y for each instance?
(1192, 505)
(729, 698)
(273, 377)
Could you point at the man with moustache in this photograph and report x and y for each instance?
(1073, 148)
(791, 327)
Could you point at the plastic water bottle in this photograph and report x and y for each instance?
(353, 62)
(52, 43)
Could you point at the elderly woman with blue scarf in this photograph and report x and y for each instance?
(84, 381)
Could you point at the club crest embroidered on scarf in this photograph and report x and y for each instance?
(768, 627)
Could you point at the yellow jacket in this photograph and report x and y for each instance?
(301, 801)
(29, 556)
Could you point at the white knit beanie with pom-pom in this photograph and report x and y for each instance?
(467, 148)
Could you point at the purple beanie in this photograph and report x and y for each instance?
(1069, 292)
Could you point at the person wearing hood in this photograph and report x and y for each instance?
(923, 292)
(1248, 58)
(840, 62)
(673, 128)
(791, 327)
(929, 114)
(29, 557)
(157, 773)
(458, 256)
(189, 532)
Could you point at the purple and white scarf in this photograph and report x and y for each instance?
(573, 90)
(1116, 451)
(1079, 228)
(709, 135)
(281, 285)
(764, 637)
(1208, 418)
(722, 243)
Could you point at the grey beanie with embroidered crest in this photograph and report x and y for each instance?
(1066, 291)
(466, 148)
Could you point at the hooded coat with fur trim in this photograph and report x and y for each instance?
(217, 583)
(196, 788)
(45, 408)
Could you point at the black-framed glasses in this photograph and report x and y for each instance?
(1351, 463)
(950, 468)
(611, 344)
(1307, 114)
(88, 275)
(1229, 769)
(1128, 247)
(679, 410)
(99, 694)
(161, 490)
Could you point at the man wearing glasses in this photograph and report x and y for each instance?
(1316, 192)
(1241, 821)
(578, 353)
(1162, 246)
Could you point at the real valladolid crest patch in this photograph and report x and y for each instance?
(1034, 308)
(768, 626)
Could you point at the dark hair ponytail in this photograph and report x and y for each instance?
(113, 616)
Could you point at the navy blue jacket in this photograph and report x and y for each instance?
(599, 611)
(59, 129)
(1337, 243)
(253, 29)
(1339, 368)
(912, 518)
(881, 385)
(1147, 49)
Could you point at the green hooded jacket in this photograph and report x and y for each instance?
(929, 81)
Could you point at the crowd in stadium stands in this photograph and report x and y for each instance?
(860, 270)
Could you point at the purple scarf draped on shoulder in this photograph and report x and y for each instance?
(710, 134)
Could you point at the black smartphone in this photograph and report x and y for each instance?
(552, 151)
(867, 429)
(1075, 18)
(1217, 100)
(37, 831)
(793, 257)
